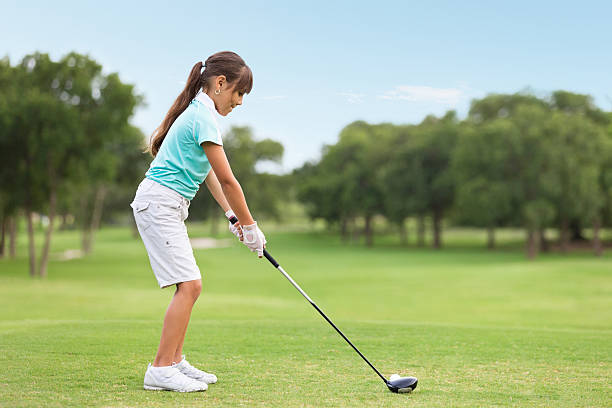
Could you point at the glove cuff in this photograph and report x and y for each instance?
(229, 214)
(251, 227)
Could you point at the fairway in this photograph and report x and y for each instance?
(477, 327)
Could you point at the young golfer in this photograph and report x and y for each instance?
(188, 150)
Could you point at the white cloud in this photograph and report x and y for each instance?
(353, 97)
(416, 93)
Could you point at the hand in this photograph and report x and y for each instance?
(254, 238)
(234, 228)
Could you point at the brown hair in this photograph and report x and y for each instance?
(222, 63)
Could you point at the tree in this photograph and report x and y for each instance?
(403, 178)
(577, 105)
(110, 133)
(58, 121)
(319, 187)
(343, 184)
(528, 163)
(575, 157)
(604, 216)
(535, 179)
(10, 189)
(484, 175)
(500, 106)
(364, 147)
(437, 138)
(42, 136)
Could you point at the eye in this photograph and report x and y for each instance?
(240, 93)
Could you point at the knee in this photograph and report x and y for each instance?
(192, 289)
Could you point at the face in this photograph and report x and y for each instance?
(228, 97)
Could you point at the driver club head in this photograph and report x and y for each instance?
(402, 384)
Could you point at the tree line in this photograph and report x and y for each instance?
(517, 160)
(70, 154)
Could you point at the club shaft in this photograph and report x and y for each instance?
(269, 257)
(294, 283)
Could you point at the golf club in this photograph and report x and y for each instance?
(395, 383)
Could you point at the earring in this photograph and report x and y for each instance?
(217, 92)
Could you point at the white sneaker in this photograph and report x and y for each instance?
(192, 372)
(171, 379)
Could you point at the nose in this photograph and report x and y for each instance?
(239, 101)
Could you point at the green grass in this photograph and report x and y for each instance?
(479, 328)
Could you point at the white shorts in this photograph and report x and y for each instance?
(160, 214)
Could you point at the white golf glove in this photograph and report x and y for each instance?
(254, 238)
(234, 228)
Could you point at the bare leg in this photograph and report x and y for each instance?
(178, 354)
(176, 321)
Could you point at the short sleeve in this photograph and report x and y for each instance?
(205, 129)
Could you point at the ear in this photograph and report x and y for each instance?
(221, 80)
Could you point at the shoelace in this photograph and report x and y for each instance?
(174, 374)
(194, 371)
(191, 369)
(180, 383)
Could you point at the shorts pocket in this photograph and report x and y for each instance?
(178, 245)
(141, 214)
(169, 204)
(166, 212)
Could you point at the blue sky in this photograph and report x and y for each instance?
(320, 65)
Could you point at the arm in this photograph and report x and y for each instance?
(217, 192)
(229, 185)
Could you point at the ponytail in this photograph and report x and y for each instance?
(180, 104)
(225, 63)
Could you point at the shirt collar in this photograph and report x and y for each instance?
(205, 99)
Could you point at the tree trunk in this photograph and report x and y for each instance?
(29, 215)
(544, 243)
(44, 257)
(421, 231)
(344, 230)
(576, 229)
(564, 235)
(437, 229)
(3, 228)
(403, 232)
(491, 237)
(64, 222)
(369, 232)
(597, 238)
(31, 246)
(533, 243)
(85, 221)
(13, 236)
(96, 217)
(355, 232)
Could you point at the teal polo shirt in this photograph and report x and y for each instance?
(181, 163)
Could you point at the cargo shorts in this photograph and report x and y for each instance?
(160, 215)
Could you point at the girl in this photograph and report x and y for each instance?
(187, 150)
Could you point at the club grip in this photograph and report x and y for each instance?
(269, 258)
(234, 220)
